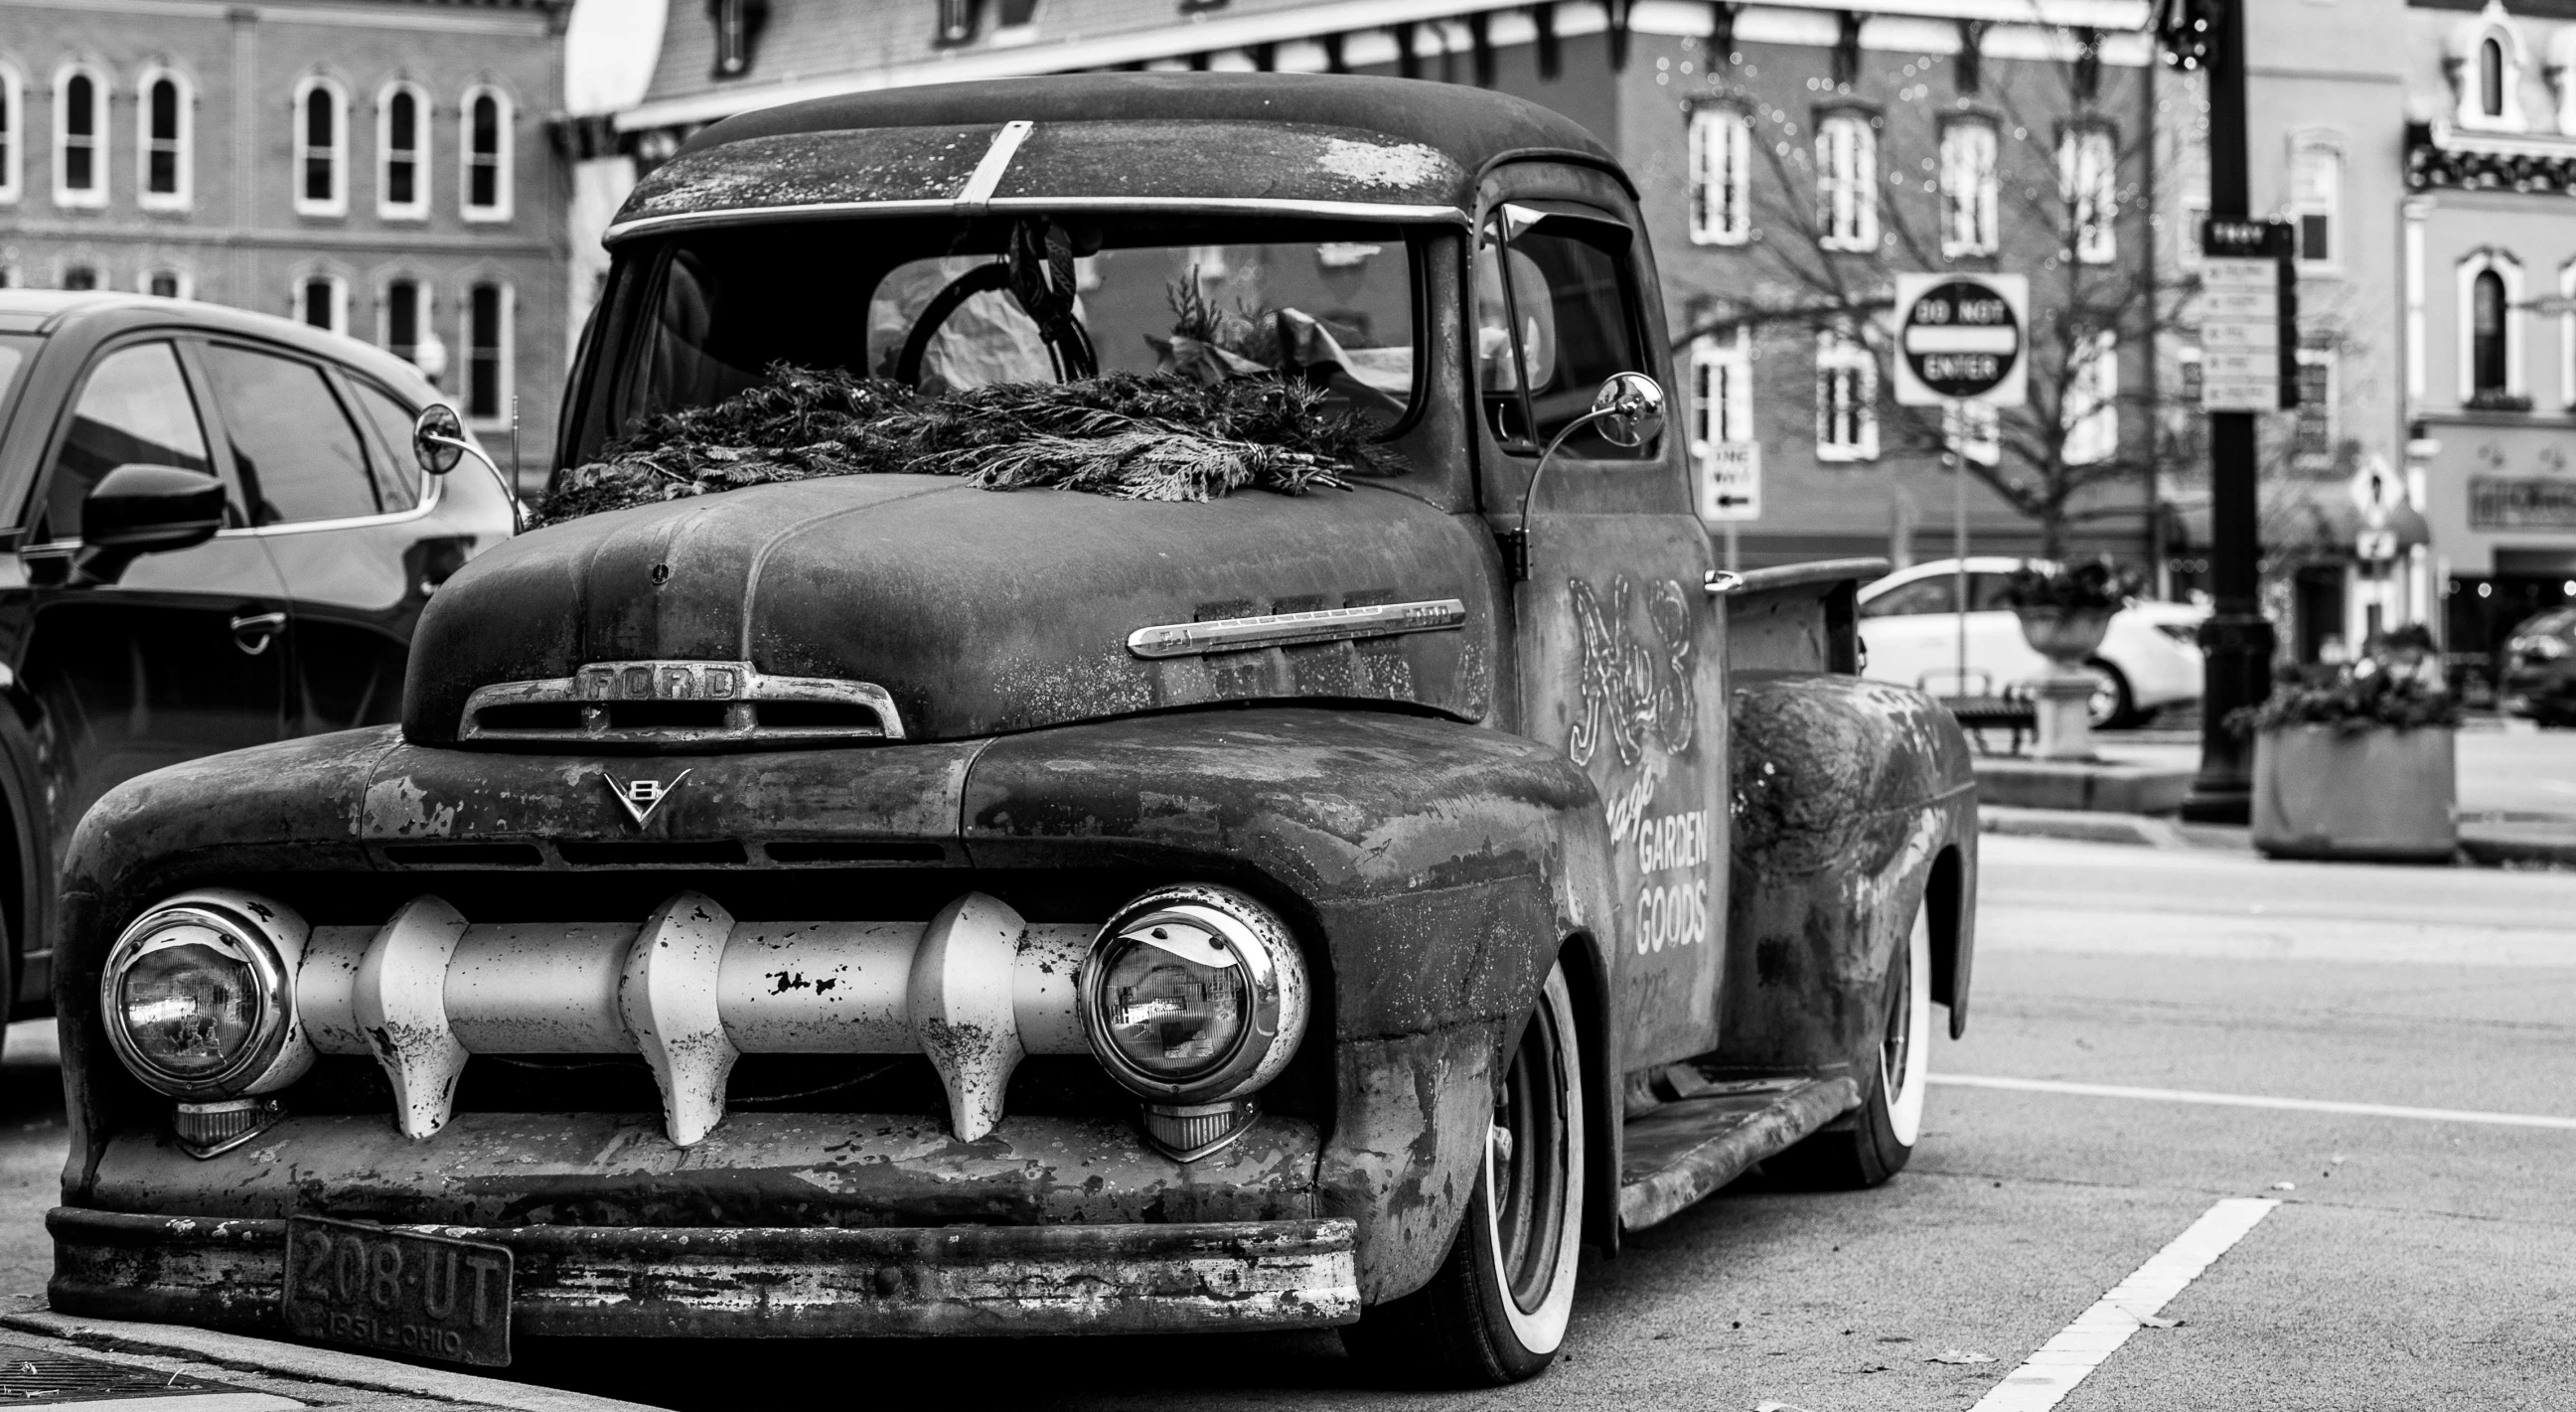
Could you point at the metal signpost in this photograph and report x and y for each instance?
(1961, 339)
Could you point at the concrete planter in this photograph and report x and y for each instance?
(2065, 636)
(2377, 795)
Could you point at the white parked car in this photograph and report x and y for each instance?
(1911, 629)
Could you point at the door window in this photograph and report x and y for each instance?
(1987, 593)
(298, 455)
(135, 409)
(397, 479)
(1929, 595)
(1553, 321)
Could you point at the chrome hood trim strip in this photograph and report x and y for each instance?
(1298, 629)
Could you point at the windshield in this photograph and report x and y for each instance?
(950, 306)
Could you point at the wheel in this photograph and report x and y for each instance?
(1874, 1141)
(1496, 1310)
(2112, 703)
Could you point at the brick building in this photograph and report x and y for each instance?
(1948, 134)
(380, 168)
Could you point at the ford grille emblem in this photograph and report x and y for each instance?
(641, 797)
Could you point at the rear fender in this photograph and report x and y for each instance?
(1854, 804)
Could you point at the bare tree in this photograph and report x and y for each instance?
(2052, 466)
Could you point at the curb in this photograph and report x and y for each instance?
(2489, 846)
(243, 1353)
(2482, 846)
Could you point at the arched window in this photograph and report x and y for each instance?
(80, 276)
(2491, 77)
(80, 137)
(163, 140)
(485, 152)
(166, 283)
(402, 152)
(322, 300)
(406, 329)
(2487, 365)
(13, 97)
(488, 392)
(321, 148)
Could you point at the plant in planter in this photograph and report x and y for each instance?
(2356, 761)
(2065, 609)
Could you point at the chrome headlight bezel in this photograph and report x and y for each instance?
(1276, 992)
(270, 938)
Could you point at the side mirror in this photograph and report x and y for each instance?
(140, 509)
(437, 439)
(1631, 408)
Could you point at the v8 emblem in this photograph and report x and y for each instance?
(641, 797)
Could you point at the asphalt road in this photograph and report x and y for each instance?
(2412, 1261)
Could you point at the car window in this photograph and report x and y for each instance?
(1986, 593)
(135, 409)
(1552, 323)
(297, 454)
(1931, 595)
(398, 480)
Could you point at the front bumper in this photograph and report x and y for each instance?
(752, 1282)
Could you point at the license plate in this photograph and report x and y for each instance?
(398, 1291)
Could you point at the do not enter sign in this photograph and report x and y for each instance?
(1960, 338)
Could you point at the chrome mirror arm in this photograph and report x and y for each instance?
(509, 492)
(1516, 540)
(1636, 402)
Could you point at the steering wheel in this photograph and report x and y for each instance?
(994, 278)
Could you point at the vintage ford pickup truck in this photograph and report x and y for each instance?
(862, 904)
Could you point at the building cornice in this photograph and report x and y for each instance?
(1205, 34)
(2439, 155)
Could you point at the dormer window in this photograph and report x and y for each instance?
(2487, 62)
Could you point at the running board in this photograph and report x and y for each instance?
(1683, 1150)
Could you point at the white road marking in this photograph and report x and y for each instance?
(2079, 1348)
(2253, 1100)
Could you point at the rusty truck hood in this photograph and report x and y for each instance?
(977, 612)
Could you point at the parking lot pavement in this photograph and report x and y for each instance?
(2411, 1261)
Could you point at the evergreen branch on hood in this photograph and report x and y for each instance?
(1121, 434)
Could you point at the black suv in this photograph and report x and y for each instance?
(216, 535)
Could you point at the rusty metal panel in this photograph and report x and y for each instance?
(768, 1281)
(1847, 791)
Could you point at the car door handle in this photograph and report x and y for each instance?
(253, 632)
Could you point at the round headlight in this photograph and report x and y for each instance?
(198, 996)
(1194, 994)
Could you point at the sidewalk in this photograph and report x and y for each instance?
(2517, 788)
(103, 1365)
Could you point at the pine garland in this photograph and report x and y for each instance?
(1135, 437)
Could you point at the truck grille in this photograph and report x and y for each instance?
(678, 703)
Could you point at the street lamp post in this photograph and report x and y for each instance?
(2236, 642)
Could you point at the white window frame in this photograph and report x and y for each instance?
(1721, 388)
(463, 358)
(1971, 193)
(13, 134)
(179, 274)
(2324, 407)
(505, 159)
(337, 203)
(99, 277)
(1840, 350)
(2312, 154)
(2465, 281)
(1846, 182)
(1721, 190)
(2090, 415)
(2088, 177)
(183, 142)
(1974, 431)
(296, 295)
(424, 318)
(2468, 62)
(102, 138)
(417, 208)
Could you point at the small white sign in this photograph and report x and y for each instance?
(2240, 335)
(1730, 481)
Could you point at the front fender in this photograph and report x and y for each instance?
(1854, 803)
(1440, 865)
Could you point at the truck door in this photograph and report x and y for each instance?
(1622, 652)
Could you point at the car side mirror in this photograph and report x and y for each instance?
(1631, 409)
(136, 510)
(437, 439)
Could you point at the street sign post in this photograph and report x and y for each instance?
(1962, 338)
(1730, 481)
(2249, 323)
